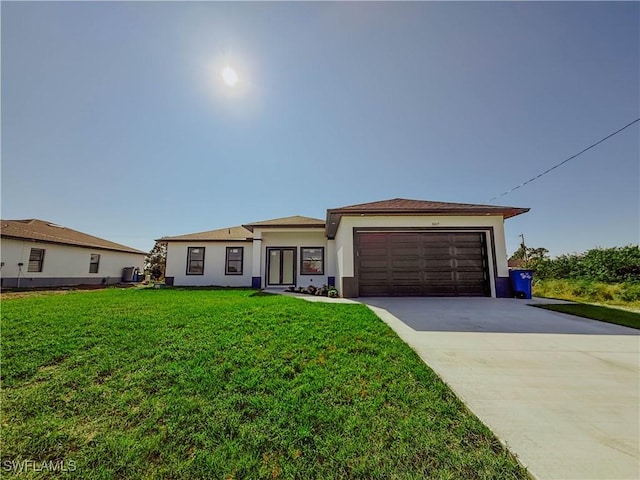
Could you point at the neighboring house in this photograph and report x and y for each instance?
(393, 247)
(515, 263)
(36, 253)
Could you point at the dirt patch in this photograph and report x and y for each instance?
(41, 292)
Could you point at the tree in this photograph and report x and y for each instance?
(520, 253)
(155, 261)
(534, 258)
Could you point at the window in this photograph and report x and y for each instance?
(94, 263)
(312, 261)
(195, 261)
(36, 258)
(234, 261)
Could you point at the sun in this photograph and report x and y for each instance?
(230, 76)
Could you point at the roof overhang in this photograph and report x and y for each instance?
(208, 240)
(71, 244)
(335, 215)
(298, 226)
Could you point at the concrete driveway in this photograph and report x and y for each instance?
(562, 392)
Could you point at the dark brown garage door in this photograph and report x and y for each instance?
(422, 264)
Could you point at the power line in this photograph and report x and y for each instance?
(565, 161)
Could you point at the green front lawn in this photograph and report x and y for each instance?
(604, 314)
(227, 384)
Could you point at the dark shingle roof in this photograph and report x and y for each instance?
(245, 232)
(41, 230)
(231, 234)
(404, 206)
(386, 207)
(428, 206)
(294, 221)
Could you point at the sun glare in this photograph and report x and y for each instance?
(229, 76)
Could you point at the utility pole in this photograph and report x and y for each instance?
(524, 248)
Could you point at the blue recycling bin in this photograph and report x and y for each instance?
(521, 282)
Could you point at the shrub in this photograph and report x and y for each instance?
(588, 291)
(609, 265)
(630, 292)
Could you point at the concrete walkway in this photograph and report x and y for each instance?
(313, 298)
(562, 392)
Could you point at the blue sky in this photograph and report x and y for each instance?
(115, 120)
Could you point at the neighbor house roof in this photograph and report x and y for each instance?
(230, 234)
(515, 263)
(403, 206)
(245, 232)
(288, 222)
(43, 231)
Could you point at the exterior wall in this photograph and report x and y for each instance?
(63, 265)
(214, 264)
(331, 262)
(310, 237)
(496, 247)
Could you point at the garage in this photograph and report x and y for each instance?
(421, 263)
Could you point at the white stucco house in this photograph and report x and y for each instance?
(395, 247)
(37, 253)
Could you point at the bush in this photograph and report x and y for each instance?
(630, 292)
(588, 291)
(609, 265)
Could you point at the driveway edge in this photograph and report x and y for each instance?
(410, 337)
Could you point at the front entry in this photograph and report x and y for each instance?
(281, 266)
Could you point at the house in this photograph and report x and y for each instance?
(515, 263)
(37, 253)
(395, 247)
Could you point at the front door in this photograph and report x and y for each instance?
(281, 266)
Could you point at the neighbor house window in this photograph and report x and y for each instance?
(94, 263)
(36, 257)
(195, 261)
(312, 261)
(234, 261)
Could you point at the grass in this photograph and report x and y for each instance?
(228, 385)
(618, 295)
(596, 312)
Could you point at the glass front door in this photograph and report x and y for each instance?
(281, 264)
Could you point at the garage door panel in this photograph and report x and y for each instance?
(442, 276)
(406, 237)
(435, 238)
(477, 277)
(470, 277)
(404, 263)
(422, 263)
(441, 273)
(374, 290)
(399, 276)
(408, 250)
(462, 237)
(439, 260)
(469, 263)
(380, 263)
(373, 276)
(466, 251)
(438, 250)
(372, 238)
(373, 251)
(438, 263)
